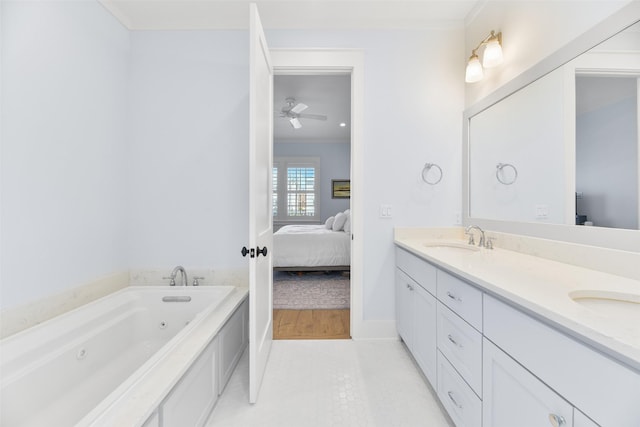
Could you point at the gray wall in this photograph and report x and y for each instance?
(335, 160)
(607, 165)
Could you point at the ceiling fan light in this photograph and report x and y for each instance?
(295, 123)
(474, 71)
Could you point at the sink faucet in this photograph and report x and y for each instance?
(468, 232)
(183, 276)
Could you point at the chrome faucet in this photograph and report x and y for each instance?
(183, 276)
(470, 234)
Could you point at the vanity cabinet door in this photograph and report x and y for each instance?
(514, 397)
(581, 420)
(424, 321)
(404, 307)
(416, 322)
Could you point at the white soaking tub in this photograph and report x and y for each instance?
(61, 370)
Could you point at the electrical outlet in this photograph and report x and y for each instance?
(542, 211)
(457, 218)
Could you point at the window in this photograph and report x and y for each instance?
(295, 189)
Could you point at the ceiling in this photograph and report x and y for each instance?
(328, 95)
(291, 14)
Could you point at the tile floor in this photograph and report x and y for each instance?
(332, 383)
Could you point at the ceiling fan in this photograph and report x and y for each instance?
(293, 112)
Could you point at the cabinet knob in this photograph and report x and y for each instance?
(450, 338)
(557, 420)
(453, 399)
(454, 297)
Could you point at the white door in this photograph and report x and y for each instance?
(260, 216)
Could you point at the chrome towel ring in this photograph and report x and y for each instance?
(499, 170)
(425, 172)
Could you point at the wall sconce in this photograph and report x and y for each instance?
(491, 57)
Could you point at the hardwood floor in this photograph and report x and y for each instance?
(311, 324)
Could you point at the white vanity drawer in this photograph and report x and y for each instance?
(461, 297)
(605, 390)
(461, 345)
(463, 406)
(418, 269)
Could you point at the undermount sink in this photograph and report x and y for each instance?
(615, 305)
(459, 247)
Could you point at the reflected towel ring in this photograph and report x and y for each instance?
(501, 166)
(425, 171)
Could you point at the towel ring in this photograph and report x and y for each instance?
(425, 171)
(501, 166)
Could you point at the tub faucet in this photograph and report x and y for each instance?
(468, 232)
(183, 276)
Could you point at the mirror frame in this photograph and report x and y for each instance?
(620, 239)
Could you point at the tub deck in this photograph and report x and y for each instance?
(79, 363)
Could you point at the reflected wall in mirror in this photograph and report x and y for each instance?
(573, 137)
(607, 151)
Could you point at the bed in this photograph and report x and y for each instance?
(311, 247)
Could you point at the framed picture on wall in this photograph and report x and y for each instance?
(340, 188)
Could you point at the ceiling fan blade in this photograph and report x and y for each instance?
(295, 123)
(313, 116)
(300, 107)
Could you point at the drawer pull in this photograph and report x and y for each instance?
(453, 297)
(450, 393)
(557, 420)
(453, 341)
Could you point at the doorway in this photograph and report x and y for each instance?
(311, 205)
(349, 65)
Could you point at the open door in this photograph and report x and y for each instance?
(260, 214)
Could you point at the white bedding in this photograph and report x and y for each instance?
(310, 246)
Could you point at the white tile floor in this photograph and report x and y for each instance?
(332, 383)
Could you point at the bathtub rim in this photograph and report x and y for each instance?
(135, 400)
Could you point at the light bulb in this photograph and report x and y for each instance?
(492, 55)
(474, 71)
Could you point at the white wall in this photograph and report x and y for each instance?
(64, 80)
(154, 146)
(531, 30)
(189, 107)
(189, 149)
(525, 130)
(414, 83)
(335, 163)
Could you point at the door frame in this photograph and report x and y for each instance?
(341, 61)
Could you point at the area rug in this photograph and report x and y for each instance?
(311, 291)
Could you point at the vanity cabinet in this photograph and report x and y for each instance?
(497, 364)
(416, 309)
(513, 396)
(604, 389)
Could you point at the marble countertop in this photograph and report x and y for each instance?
(544, 287)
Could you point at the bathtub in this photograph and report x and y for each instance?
(69, 370)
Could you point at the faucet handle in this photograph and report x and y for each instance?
(195, 280)
(172, 282)
(489, 243)
(471, 240)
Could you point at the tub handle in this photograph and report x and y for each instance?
(174, 298)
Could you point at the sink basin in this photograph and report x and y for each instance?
(615, 305)
(459, 247)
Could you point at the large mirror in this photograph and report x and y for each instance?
(563, 148)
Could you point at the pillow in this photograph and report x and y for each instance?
(339, 221)
(347, 212)
(347, 224)
(329, 223)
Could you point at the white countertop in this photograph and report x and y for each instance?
(542, 287)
